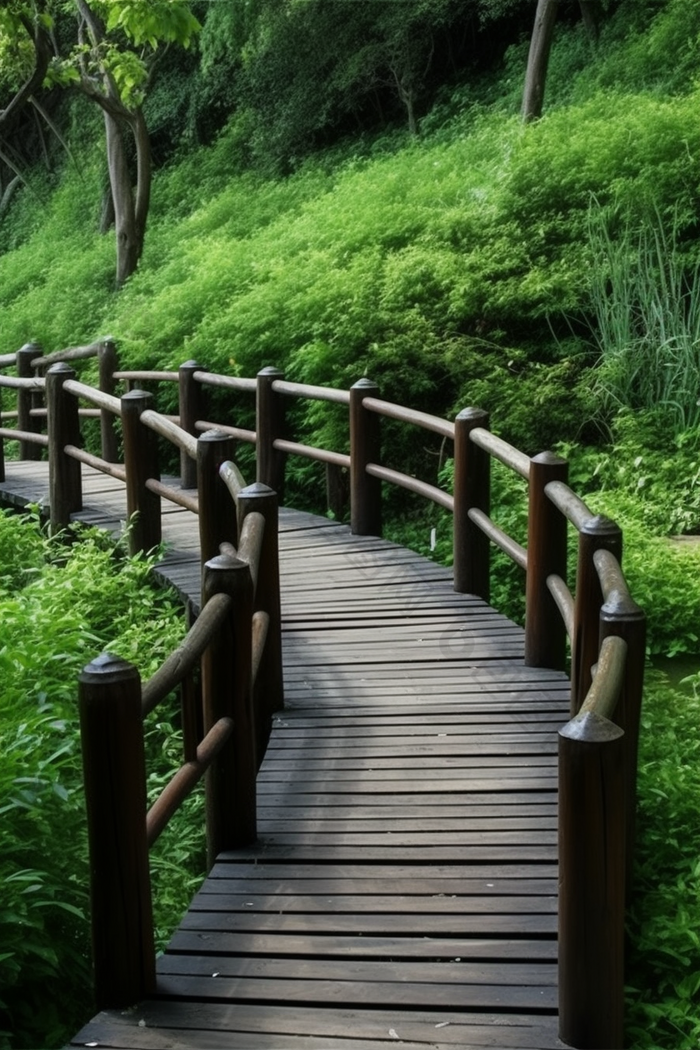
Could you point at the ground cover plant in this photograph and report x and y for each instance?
(60, 606)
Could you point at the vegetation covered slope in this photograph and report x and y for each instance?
(547, 272)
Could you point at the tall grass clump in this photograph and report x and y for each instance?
(60, 606)
(645, 293)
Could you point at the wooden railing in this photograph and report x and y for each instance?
(604, 628)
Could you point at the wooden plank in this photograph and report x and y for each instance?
(175, 1026)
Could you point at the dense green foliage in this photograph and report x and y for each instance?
(60, 606)
(548, 273)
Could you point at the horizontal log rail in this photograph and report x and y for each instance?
(313, 393)
(585, 620)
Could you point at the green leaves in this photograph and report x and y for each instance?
(150, 22)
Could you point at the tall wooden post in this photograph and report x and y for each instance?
(269, 687)
(27, 400)
(269, 426)
(622, 617)
(65, 487)
(191, 409)
(217, 510)
(591, 883)
(472, 489)
(598, 533)
(115, 795)
(141, 463)
(108, 363)
(227, 693)
(365, 447)
(545, 633)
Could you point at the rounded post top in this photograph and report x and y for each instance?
(591, 728)
(471, 415)
(107, 668)
(214, 436)
(549, 459)
(31, 348)
(599, 525)
(364, 384)
(224, 563)
(257, 490)
(270, 371)
(61, 368)
(190, 366)
(136, 395)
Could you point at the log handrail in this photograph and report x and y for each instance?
(604, 626)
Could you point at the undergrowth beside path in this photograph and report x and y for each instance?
(60, 605)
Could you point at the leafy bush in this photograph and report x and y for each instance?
(60, 606)
(664, 957)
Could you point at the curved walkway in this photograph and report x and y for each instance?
(403, 888)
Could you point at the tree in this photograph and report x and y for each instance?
(109, 54)
(538, 58)
(540, 47)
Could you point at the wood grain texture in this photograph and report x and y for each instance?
(403, 889)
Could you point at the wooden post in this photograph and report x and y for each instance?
(65, 487)
(227, 693)
(336, 490)
(623, 617)
(217, 510)
(472, 488)
(27, 400)
(365, 447)
(141, 463)
(545, 633)
(269, 687)
(599, 532)
(269, 426)
(115, 794)
(591, 883)
(191, 409)
(108, 364)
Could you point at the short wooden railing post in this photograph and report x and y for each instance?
(227, 693)
(65, 486)
(624, 618)
(115, 795)
(108, 364)
(27, 400)
(269, 426)
(217, 510)
(269, 687)
(141, 463)
(365, 447)
(545, 633)
(598, 533)
(591, 883)
(472, 489)
(191, 398)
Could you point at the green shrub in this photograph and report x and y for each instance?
(61, 606)
(664, 923)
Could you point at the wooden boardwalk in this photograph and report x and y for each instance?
(403, 890)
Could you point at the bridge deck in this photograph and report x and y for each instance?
(403, 889)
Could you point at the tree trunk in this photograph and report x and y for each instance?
(590, 11)
(538, 59)
(130, 206)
